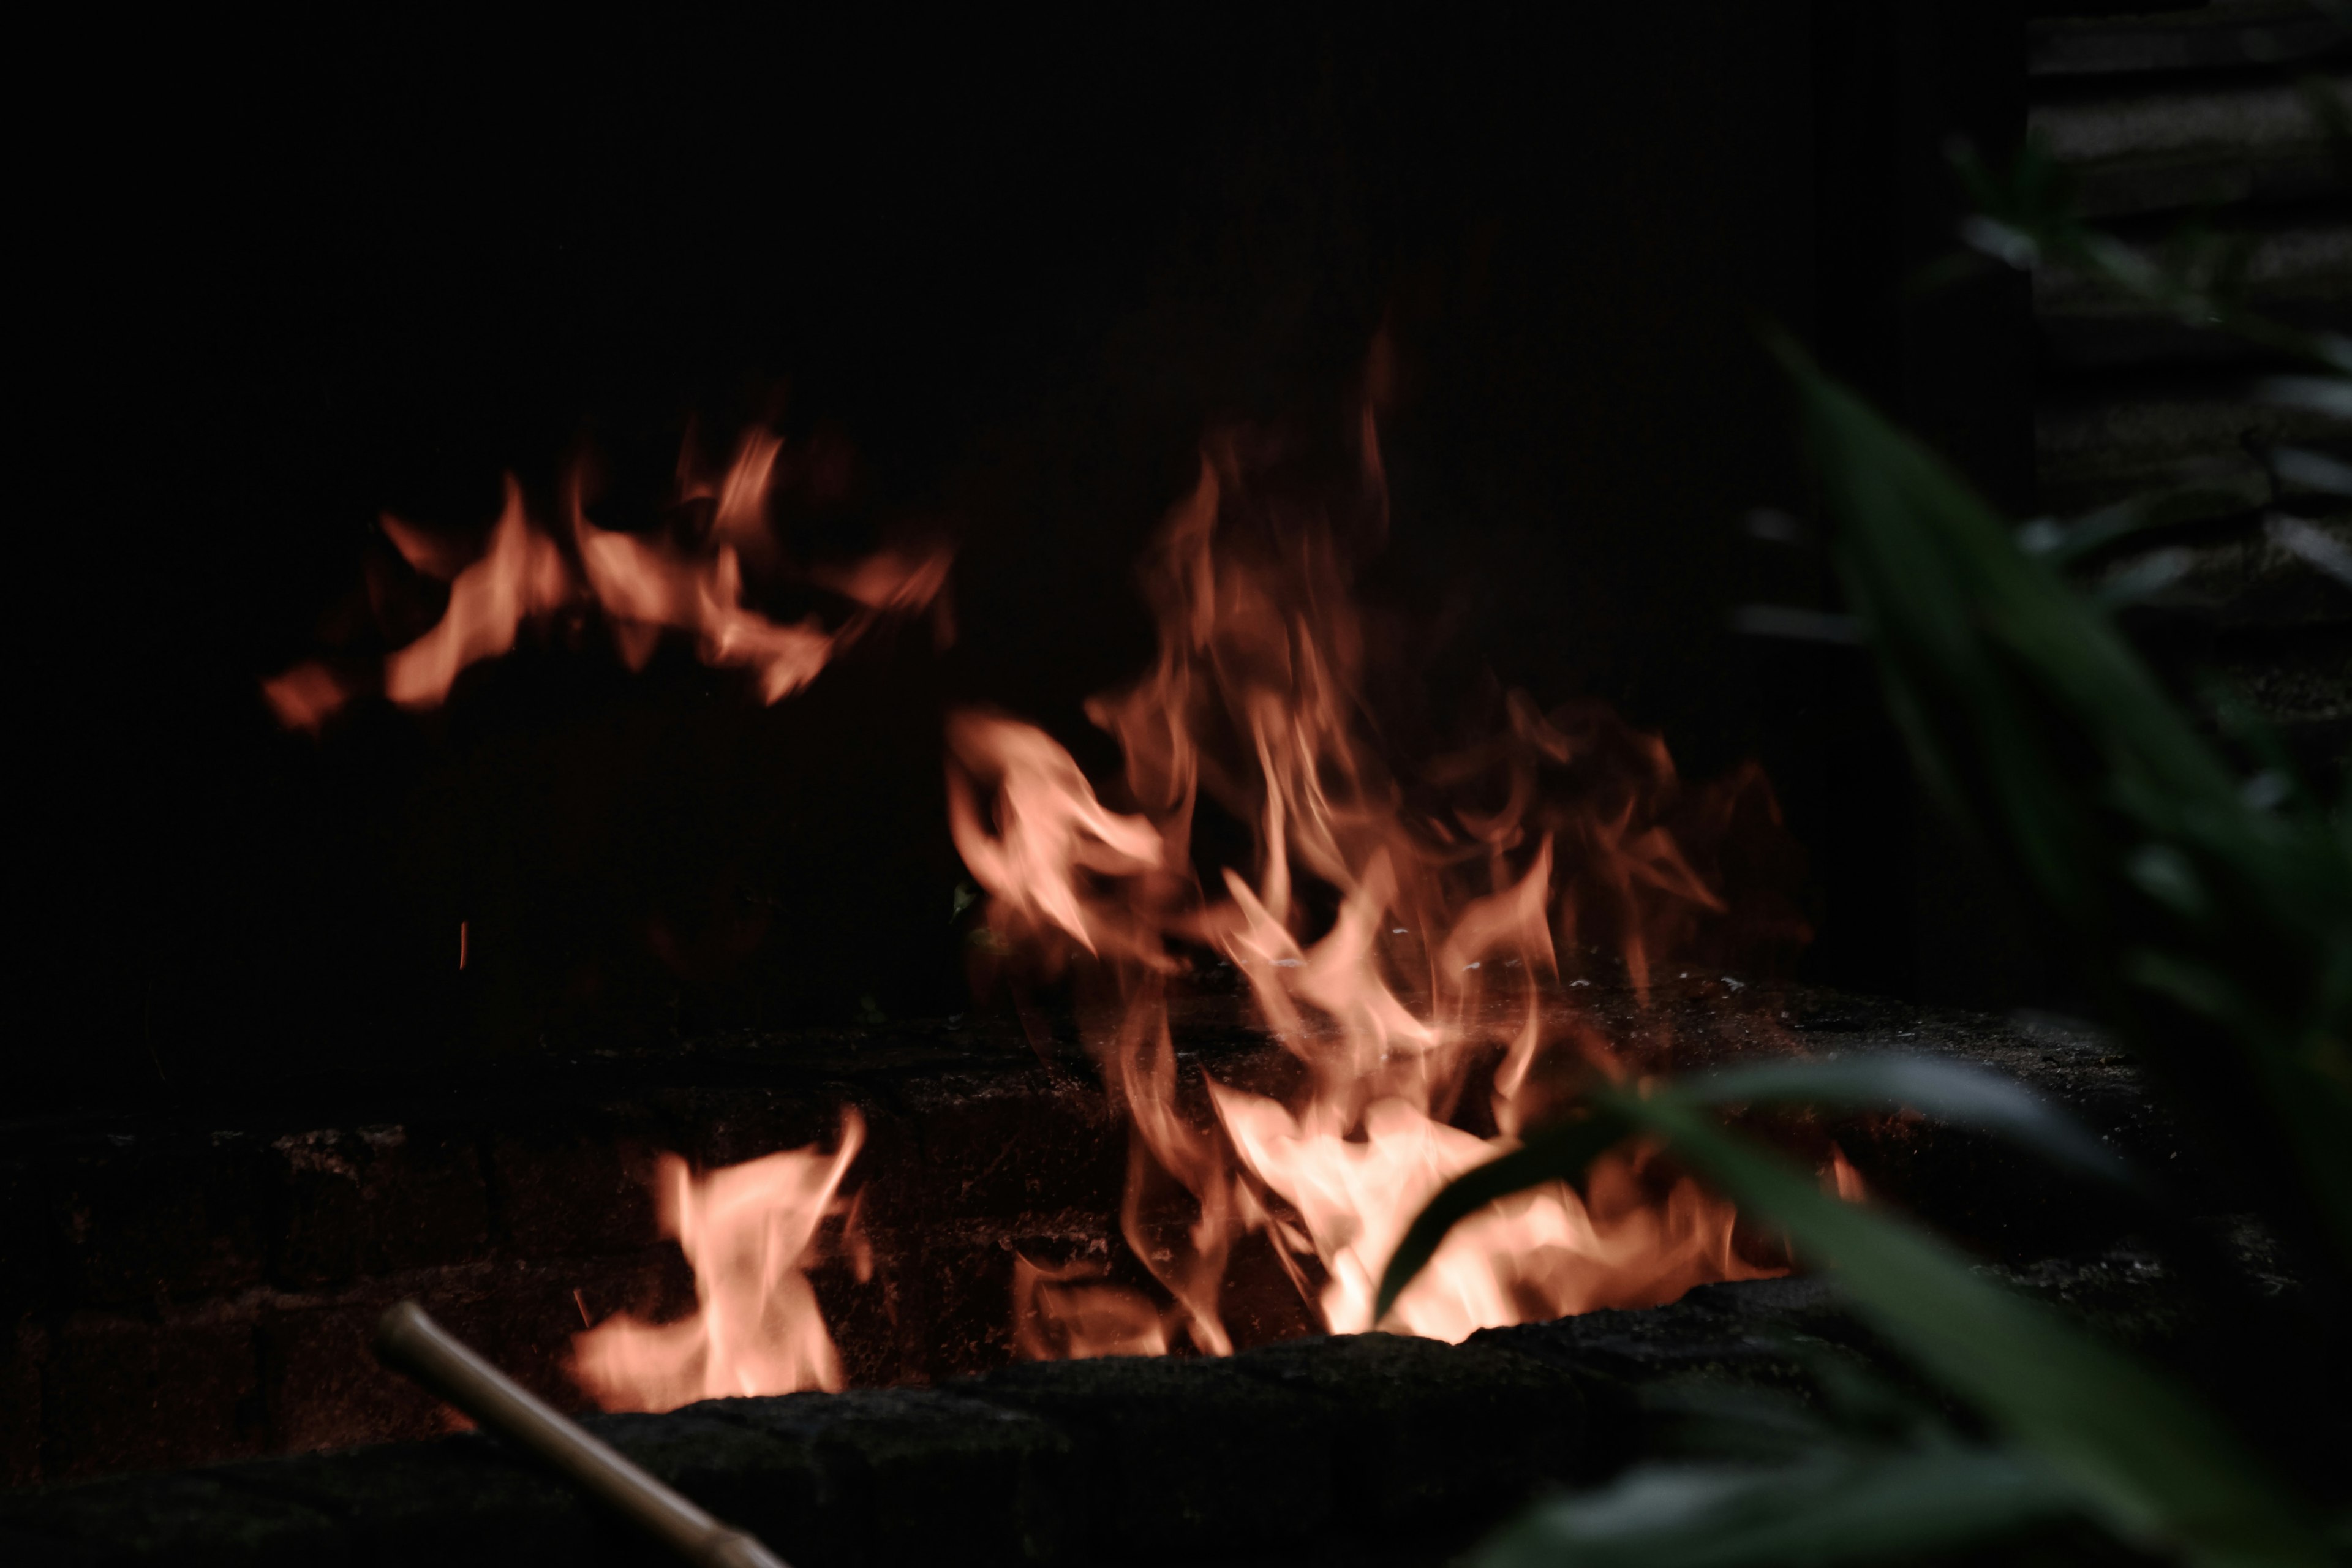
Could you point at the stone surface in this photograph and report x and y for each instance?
(1178, 1458)
(1415, 1427)
(463, 1500)
(773, 1484)
(189, 1519)
(921, 1476)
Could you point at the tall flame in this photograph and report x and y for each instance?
(749, 1231)
(1401, 935)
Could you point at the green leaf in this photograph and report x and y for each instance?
(1839, 1507)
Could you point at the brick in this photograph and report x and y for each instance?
(376, 1201)
(1422, 1430)
(128, 1392)
(449, 1504)
(923, 1477)
(29, 1244)
(1000, 1145)
(188, 1519)
(325, 1388)
(147, 1218)
(20, 1403)
(725, 1127)
(578, 1196)
(1179, 1457)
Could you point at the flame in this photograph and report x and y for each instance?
(749, 1231)
(1403, 925)
(1402, 932)
(643, 586)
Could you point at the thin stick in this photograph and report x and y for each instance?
(407, 1339)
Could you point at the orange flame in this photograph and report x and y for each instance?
(1399, 934)
(749, 1231)
(643, 586)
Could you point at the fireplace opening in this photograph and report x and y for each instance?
(827, 724)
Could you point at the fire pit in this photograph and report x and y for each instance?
(519, 1209)
(928, 1050)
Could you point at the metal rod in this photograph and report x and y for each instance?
(408, 1341)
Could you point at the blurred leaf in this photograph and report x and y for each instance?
(2320, 549)
(2140, 1454)
(1795, 623)
(2146, 1457)
(2145, 578)
(2330, 394)
(2065, 541)
(1560, 1153)
(2026, 709)
(2314, 470)
(1947, 1092)
(1838, 1507)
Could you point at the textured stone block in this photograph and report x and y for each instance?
(1420, 1430)
(151, 1216)
(127, 1392)
(196, 1520)
(1178, 1458)
(376, 1201)
(1734, 1334)
(453, 1503)
(921, 1476)
(769, 1481)
(576, 1195)
(325, 1388)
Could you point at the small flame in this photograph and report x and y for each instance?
(749, 1231)
(1844, 1180)
(643, 586)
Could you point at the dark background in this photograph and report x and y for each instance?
(288, 281)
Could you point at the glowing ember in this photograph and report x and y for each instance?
(749, 1231)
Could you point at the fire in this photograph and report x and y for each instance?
(642, 585)
(1402, 932)
(749, 1231)
(1403, 926)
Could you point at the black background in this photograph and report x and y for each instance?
(288, 282)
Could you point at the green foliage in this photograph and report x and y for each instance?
(2025, 218)
(2228, 899)
(2214, 911)
(1845, 1505)
(2122, 1442)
